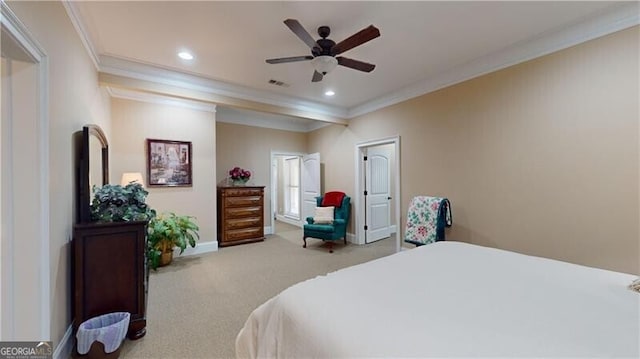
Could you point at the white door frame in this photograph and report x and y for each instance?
(359, 187)
(274, 193)
(22, 38)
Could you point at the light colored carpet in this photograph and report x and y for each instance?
(198, 304)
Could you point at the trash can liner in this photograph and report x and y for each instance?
(109, 329)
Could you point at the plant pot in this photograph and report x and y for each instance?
(166, 258)
(239, 182)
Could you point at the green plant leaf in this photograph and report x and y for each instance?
(180, 231)
(114, 203)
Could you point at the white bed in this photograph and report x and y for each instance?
(450, 299)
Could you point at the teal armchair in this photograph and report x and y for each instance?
(329, 232)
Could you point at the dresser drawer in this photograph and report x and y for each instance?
(243, 223)
(243, 201)
(243, 212)
(233, 192)
(245, 233)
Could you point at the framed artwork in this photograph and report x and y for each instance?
(169, 163)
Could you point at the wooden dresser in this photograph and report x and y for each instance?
(240, 215)
(110, 272)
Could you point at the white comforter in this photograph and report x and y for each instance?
(450, 299)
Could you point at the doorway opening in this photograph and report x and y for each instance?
(295, 182)
(377, 204)
(286, 188)
(286, 198)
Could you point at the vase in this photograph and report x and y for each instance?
(239, 182)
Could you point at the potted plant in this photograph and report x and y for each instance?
(115, 203)
(166, 232)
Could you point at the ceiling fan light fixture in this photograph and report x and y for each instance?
(324, 64)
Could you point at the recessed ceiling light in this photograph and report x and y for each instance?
(185, 55)
(329, 93)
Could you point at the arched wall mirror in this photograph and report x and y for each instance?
(93, 167)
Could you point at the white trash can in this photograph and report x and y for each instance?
(108, 329)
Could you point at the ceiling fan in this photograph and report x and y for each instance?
(324, 51)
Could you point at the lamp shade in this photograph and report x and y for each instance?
(324, 64)
(129, 177)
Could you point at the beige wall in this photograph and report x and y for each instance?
(133, 122)
(250, 148)
(539, 158)
(336, 145)
(74, 100)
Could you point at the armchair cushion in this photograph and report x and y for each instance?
(323, 215)
(325, 229)
(333, 198)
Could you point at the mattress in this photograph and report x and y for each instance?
(450, 299)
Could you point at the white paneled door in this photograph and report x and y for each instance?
(310, 183)
(378, 193)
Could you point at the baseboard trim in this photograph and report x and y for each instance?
(65, 347)
(268, 230)
(352, 238)
(201, 247)
(288, 220)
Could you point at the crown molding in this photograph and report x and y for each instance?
(240, 117)
(177, 92)
(126, 94)
(141, 71)
(250, 118)
(72, 12)
(612, 20)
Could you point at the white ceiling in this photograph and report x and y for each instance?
(423, 44)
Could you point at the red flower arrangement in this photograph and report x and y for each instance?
(239, 174)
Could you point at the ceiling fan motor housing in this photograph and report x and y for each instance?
(323, 48)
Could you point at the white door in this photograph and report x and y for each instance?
(310, 184)
(378, 193)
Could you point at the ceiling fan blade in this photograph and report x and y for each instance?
(297, 29)
(289, 59)
(317, 77)
(355, 64)
(356, 39)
